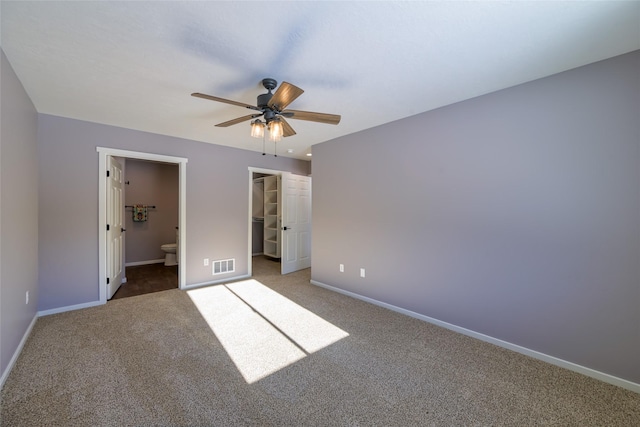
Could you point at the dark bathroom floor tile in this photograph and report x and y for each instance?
(145, 279)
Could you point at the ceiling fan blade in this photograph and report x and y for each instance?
(285, 95)
(238, 120)
(226, 101)
(287, 130)
(331, 119)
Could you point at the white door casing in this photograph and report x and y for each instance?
(115, 226)
(103, 165)
(296, 222)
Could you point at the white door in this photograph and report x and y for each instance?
(115, 227)
(296, 222)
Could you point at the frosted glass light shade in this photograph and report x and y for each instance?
(275, 131)
(257, 129)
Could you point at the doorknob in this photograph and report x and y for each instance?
(122, 230)
(284, 228)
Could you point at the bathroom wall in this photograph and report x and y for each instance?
(150, 183)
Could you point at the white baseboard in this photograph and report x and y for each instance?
(514, 347)
(151, 261)
(215, 282)
(96, 303)
(16, 353)
(69, 308)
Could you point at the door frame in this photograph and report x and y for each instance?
(103, 155)
(253, 170)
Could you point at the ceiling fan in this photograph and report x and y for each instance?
(271, 106)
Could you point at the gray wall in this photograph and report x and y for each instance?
(18, 213)
(515, 215)
(150, 183)
(217, 197)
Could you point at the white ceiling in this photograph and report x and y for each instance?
(135, 64)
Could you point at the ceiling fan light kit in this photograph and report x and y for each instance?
(271, 106)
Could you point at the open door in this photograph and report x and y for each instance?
(115, 226)
(296, 222)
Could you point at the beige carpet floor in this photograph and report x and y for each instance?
(282, 352)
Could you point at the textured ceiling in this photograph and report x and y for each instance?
(135, 64)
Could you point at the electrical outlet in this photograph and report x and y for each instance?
(26, 298)
(341, 268)
(362, 272)
(206, 262)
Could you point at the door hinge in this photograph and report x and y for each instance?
(107, 174)
(107, 227)
(107, 280)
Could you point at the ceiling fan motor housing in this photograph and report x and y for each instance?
(263, 100)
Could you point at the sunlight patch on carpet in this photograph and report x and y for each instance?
(261, 330)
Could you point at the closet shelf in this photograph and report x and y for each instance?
(272, 210)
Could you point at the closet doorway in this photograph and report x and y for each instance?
(280, 218)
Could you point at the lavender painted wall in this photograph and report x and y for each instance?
(18, 213)
(217, 197)
(150, 183)
(515, 214)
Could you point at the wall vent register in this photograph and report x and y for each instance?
(224, 266)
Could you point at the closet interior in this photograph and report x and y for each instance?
(266, 215)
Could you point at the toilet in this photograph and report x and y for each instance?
(171, 251)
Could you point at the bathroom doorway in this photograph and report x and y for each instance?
(104, 155)
(151, 222)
